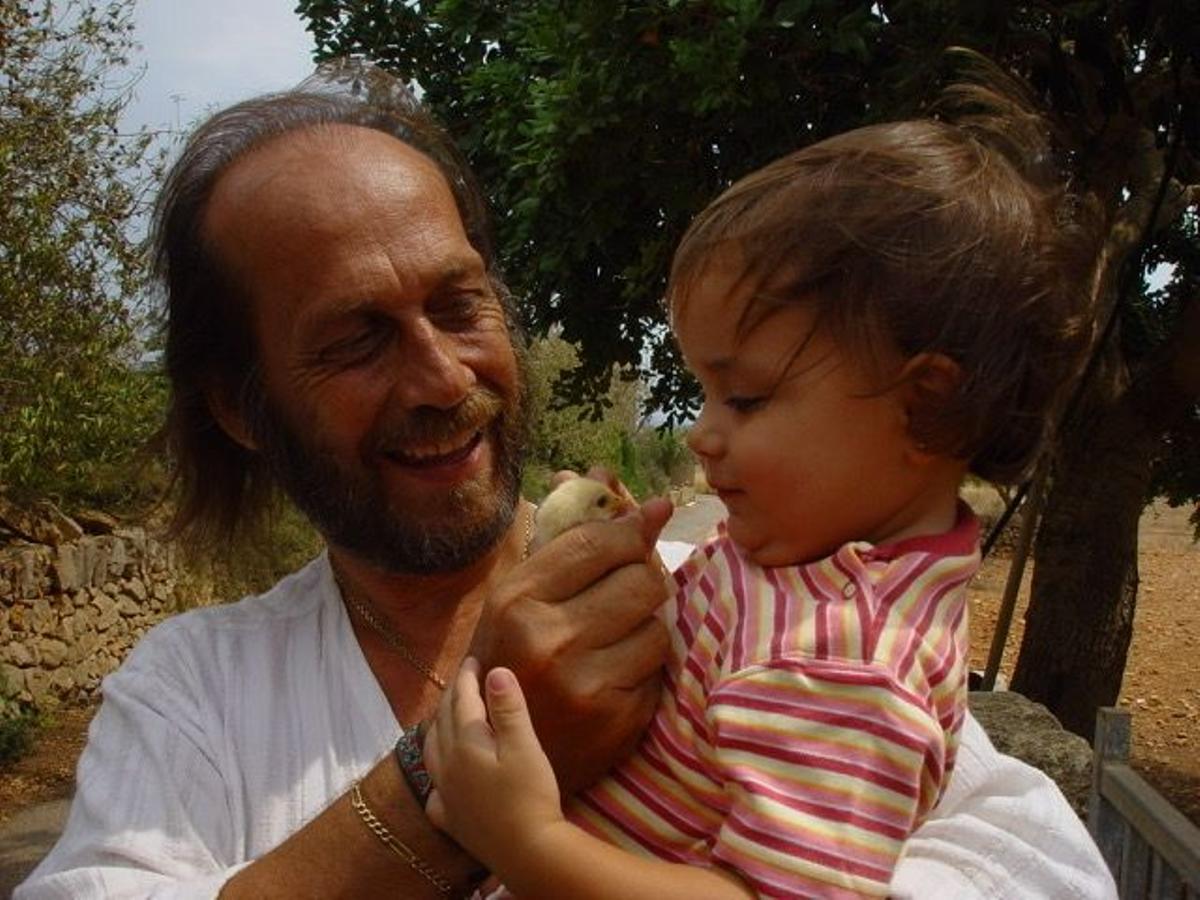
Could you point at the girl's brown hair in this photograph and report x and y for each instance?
(929, 237)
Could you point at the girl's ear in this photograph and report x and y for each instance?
(229, 415)
(927, 382)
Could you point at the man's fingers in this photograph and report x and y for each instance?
(618, 604)
(656, 512)
(640, 655)
(561, 476)
(584, 554)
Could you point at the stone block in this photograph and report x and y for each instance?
(63, 683)
(27, 585)
(87, 559)
(66, 568)
(17, 653)
(136, 587)
(12, 679)
(1029, 731)
(53, 653)
(39, 686)
(106, 609)
(95, 521)
(100, 565)
(128, 607)
(43, 619)
(52, 526)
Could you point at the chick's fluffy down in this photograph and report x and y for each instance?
(572, 503)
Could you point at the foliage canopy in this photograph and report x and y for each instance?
(73, 401)
(602, 126)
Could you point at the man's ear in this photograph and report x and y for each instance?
(928, 381)
(229, 416)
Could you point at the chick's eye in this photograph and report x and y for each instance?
(602, 502)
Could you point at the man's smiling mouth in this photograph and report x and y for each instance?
(443, 453)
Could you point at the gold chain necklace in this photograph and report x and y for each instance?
(379, 623)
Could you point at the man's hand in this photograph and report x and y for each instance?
(576, 623)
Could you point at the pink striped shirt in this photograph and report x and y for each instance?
(810, 716)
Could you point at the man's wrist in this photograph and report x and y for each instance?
(410, 755)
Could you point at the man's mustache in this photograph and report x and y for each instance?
(428, 425)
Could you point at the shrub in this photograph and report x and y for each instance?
(19, 723)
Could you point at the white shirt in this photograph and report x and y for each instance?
(229, 728)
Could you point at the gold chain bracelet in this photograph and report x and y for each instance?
(393, 843)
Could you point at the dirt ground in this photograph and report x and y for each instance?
(1161, 687)
(1162, 677)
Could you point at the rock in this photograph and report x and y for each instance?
(54, 527)
(94, 521)
(54, 653)
(18, 653)
(66, 568)
(1029, 731)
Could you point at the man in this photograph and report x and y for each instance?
(337, 328)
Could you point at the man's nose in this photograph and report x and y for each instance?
(432, 373)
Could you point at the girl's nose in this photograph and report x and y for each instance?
(705, 438)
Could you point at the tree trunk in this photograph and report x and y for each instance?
(1085, 578)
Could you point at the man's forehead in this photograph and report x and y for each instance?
(295, 169)
(344, 215)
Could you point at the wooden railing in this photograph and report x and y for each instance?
(1151, 849)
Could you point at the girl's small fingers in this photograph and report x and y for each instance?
(508, 711)
(431, 751)
(435, 809)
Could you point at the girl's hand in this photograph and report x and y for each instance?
(494, 789)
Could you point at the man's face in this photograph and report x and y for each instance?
(391, 401)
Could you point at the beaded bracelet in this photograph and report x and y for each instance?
(410, 754)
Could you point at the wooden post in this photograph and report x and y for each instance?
(1029, 519)
(1104, 822)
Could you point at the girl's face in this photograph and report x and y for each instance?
(802, 443)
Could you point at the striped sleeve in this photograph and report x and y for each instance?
(828, 767)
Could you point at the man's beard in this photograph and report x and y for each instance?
(350, 506)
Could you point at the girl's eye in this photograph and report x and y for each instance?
(745, 404)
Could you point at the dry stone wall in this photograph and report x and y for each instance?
(69, 612)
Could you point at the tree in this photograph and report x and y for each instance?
(73, 400)
(602, 126)
(564, 435)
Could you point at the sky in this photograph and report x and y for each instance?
(205, 54)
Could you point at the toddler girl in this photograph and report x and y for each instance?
(871, 319)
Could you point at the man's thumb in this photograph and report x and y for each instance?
(506, 708)
(655, 513)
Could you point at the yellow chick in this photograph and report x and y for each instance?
(572, 503)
